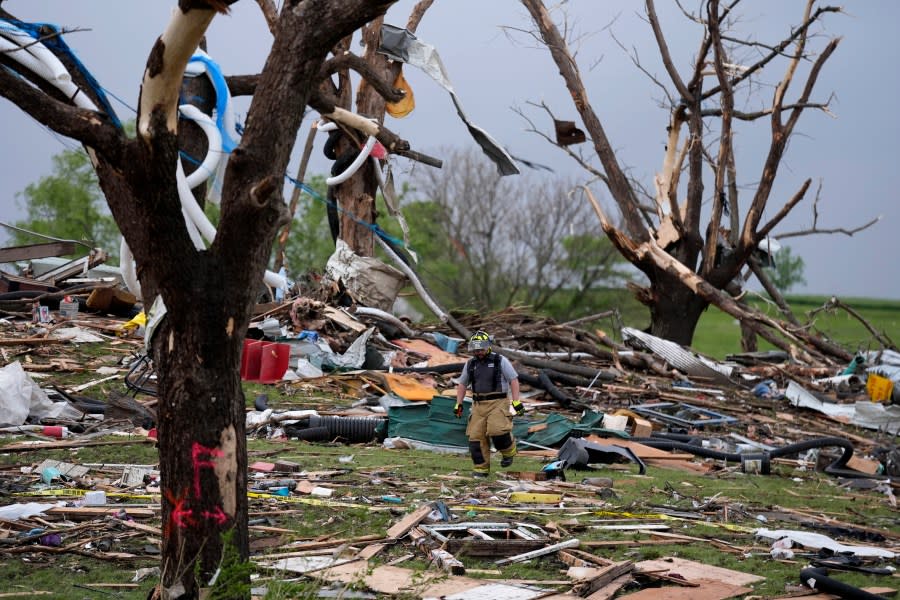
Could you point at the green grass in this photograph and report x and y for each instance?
(417, 477)
(718, 333)
(361, 474)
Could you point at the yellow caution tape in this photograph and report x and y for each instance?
(664, 517)
(311, 501)
(535, 498)
(77, 493)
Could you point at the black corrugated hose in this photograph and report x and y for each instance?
(761, 461)
(822, 583)
(354, 429)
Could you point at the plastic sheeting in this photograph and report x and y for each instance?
(368, 280)
(400, 44)
(21, 397)
(429, 422)
(816, 541)
(871, 415)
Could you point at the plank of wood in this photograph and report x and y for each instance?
(75, 444)
(640, 450)
(141, 527)
(30, 251)
(579, 558)
(370, 551)
(610, 589)
(693, 570)
(403, 526)
(94, 512)
(688, 466)
(641, 542)
(707, 590)
(604, 577)
(31, 341)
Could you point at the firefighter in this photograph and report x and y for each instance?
(493, 380)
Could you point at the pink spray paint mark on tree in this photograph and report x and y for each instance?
(203, 457)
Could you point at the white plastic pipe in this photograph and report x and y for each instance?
(328, 126)
(213, 157)
(39, 51)
(355, 165)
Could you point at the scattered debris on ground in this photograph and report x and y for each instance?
(367, 378)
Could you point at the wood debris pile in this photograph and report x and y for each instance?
(648, 394)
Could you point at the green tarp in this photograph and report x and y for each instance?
(435, 423)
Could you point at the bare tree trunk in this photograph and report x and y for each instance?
(713, 253)
(208, 294)
(675, 310)
(356, 197)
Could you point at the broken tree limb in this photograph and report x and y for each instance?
(880, 336)
(602, 315)
(770, 288)
(587, 372)
(378, 314)
(651, 251)
(423, 292)
(295, 197)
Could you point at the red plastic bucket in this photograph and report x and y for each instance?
(250, 359)
(274, 362)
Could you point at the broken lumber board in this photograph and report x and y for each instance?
(32, 341)
(397, 531)
(142, 527)
(602, 577)
(706, 590)
(75, 444)
(323, 545)
(30, 251)
(579, 558)
(690, 569)
(396, 580)
(640, 450)
(641, 542)
(681, 538)
(448, 562)
(681, 465)
(573, 543)
(402, 527)
(370, 551)
(611, 589)
(94, 512)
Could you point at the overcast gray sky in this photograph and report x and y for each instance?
(852, 152)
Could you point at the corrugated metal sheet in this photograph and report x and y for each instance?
(685, 361)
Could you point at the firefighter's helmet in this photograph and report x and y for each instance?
(480, 340)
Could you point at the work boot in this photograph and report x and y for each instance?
(481, 471)
(507, 461)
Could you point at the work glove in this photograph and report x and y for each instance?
(457, 410)
(518, 407)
